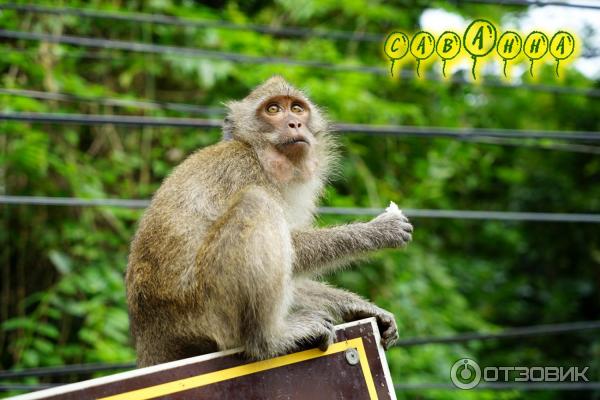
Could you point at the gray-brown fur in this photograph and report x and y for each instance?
(225, 255)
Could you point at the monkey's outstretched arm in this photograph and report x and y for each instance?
(325, 249)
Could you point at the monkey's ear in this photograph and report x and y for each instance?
(227, 128)
(228, 125)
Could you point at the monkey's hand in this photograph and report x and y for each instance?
(385, 321)
(392, 228)
(388, 328)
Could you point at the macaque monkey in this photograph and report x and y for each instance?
(225, 255)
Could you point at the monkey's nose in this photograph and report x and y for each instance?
(294, 125)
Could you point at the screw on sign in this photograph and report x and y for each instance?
(421, 47)
(562, 46)
(535, 47)
(509, 47)
(447, 47)
(479, 40)
(395, 47)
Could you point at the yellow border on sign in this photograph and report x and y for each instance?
(247, 369)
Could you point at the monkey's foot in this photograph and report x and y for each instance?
(323, 335)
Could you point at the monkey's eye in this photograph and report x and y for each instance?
(297, 108)
(273, 108)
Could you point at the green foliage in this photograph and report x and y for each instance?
(63, 299)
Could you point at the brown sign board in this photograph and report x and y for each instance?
(354, 367)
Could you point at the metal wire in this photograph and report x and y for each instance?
(66, 370)
(195, 23)
(387, 130)
(73, 201)
(184, 51)
(111, 101)
(464, 133)
(7, 387)
(236, 57)
(282, 31)
(143, 104)
(191, 108)
(525, 386)
(530, 386)
(570, 147)
(413, 213)
(537, 3)
(95, 119)
(538, 330)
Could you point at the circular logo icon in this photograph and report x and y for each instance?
(465, 374)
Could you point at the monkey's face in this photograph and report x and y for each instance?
(285, 129)
(288, 121)
(275, 114)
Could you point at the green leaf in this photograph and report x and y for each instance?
(61, 261)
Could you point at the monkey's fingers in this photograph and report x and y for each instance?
(388, 329)
(389, 337)
(327, 336)
(407, 230)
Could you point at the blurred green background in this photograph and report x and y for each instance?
(62, 293)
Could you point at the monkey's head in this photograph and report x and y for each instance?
(280, 120)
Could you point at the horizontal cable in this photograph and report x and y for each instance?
(65, 370)
(514, 332)
(162, 19)
(283, 31)
(566, 90)
(469, 214)
(236, 57)
(73, 201)
(97, 119)
(537, 3)
(525, 386)
(143, 104)
(465, 133)
(185, 51)
(8, 387)
(413, 213)
(111, 101)
(386, 130)
(528, 386)
(570, 147)
(457, 79)
(183, 107)
(538, 330)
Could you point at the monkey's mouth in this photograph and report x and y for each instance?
(295, 140)
(294, 148)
